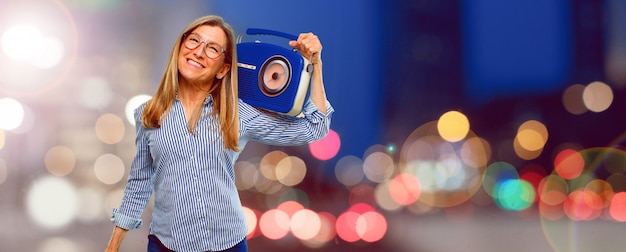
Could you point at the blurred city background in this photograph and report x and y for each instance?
(460, 125)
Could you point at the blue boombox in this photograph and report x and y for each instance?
(273, 77)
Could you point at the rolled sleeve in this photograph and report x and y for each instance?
(315, 115)
(125, 222)
(277, 129)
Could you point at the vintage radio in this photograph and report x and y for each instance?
(273, 77)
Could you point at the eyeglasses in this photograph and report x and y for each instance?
(212, 50)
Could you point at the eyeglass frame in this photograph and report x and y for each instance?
(206, 44)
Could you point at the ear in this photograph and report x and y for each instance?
(225, 69)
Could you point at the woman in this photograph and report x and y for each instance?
(190, 134)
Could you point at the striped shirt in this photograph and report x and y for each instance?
(196, 203)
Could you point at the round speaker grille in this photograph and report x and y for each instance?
(274, 75)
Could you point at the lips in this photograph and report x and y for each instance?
(195, 63)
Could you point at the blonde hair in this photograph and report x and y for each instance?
(225, 97)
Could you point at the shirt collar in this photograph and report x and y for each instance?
(207, 100)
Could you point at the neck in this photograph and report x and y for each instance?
(190, 92)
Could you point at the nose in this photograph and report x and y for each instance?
(199, 51)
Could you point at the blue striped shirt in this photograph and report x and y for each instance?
(196, 203)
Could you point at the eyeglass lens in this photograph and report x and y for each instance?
(212, 50)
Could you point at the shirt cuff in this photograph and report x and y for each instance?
(124, 221)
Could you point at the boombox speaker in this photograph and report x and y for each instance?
(273, 77)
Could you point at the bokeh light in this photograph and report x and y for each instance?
(361, 222)
(109, 169)
(603, 189)
(382, 194)
(598, 96)
(251, 221)
(378, 166)
(618, 207)
(132, 104)
(290, 171)
(349, 170)
(405, 189)
(530, 139)
(246, 175)
(532, 135)
(514, 194)
(52, 202)
(327, 147)
(582, 205)
(573, 99)
(346, 226)
(11, 114)
(569, 164)
(60, 160)
(371, 226)
(269, 162)
(453, 126)
(274, 224)
(497, 173)
(476, 152)
(110, 128)
(326, 232)
(305, 224)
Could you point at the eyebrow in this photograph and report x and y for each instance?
(207, 40)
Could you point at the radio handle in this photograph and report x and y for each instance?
(258, 31)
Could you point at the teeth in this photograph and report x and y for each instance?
(195, 63)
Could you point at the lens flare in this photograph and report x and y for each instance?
(22, 42)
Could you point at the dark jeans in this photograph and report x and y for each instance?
(154, 245)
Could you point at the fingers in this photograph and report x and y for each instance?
(309, 46)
